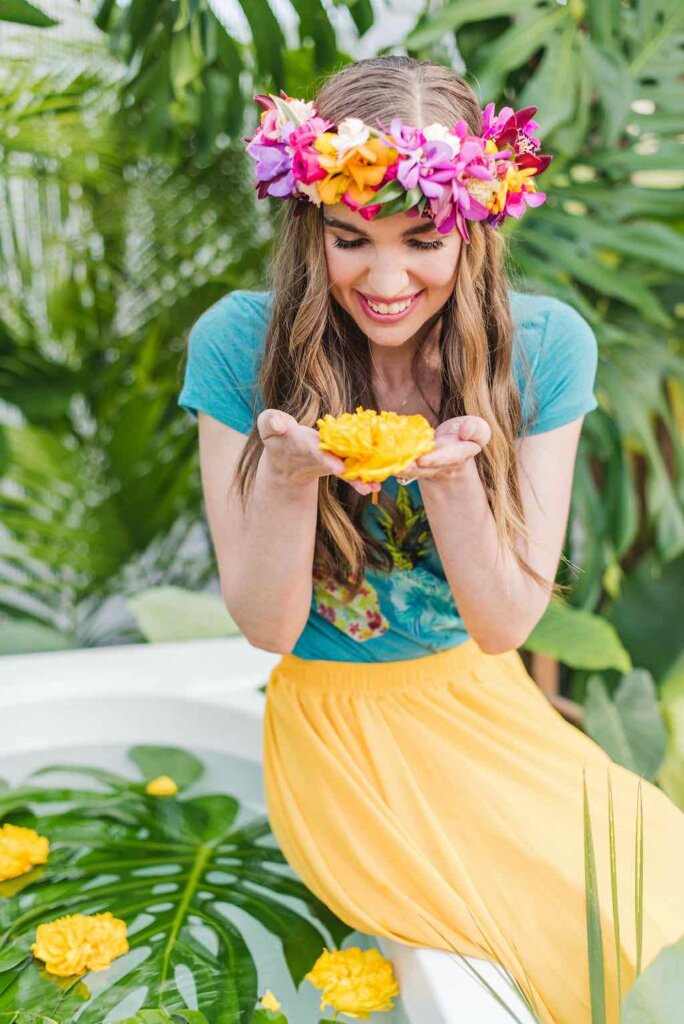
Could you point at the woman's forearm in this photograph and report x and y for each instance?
(270, 592)
(498, 603)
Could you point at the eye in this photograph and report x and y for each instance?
(340, 243)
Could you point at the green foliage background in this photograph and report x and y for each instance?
(126, 208)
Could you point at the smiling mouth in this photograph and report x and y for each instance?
(382, 311)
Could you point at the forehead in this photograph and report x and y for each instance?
(397, 225)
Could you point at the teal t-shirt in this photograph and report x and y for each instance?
(410, 611)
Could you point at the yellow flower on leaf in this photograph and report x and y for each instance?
(354, 982)
(375, 445)
(163, 785)
(355, 170)
(20, 849)
(268, 1001)
(80, 942)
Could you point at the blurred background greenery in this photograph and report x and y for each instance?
(127, 208)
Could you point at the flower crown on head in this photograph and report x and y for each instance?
(437, 171)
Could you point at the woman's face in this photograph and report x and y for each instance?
(399, 262)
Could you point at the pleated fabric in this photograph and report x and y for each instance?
(438, 802)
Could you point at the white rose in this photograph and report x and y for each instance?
(292, 111)
(301, 109)
(440, 133)
(310, 190)
(350, 132)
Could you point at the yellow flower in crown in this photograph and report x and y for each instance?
(80, 942)
(355, 162)
(163, 785)
(268, 1001)
(515, 180)
(375, 445)
(354, 982)
(20, 850)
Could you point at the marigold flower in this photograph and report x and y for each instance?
(20, 849)
(268, 1001)
(80, 942)
(354, 982)
(163, 785)
(375, 445)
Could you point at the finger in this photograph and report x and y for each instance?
(474, 428)
(270, 422)
(449, 454)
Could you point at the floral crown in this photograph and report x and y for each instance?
(437, 171)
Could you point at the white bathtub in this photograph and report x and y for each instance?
(202, 693)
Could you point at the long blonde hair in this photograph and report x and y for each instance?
(316, 359)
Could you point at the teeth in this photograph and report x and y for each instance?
(394, 307)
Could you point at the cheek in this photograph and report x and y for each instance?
(343, 266)
(437, 270)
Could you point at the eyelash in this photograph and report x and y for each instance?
(339, 243)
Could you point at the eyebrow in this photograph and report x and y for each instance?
(333, 222)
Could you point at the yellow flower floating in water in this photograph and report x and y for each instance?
(268, 1001)
(375, 445)
(163, 785)
(20, 849)
(354, 981)
(80, 942)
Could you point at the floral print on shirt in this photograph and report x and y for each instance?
(360, 618)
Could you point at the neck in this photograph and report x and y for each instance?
(393, 366)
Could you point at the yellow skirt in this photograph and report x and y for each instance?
(444, 795)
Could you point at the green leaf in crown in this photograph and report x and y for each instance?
(171, 867)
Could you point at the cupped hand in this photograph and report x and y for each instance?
(292, 452)
(457, 441)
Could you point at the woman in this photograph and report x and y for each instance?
(417, 779)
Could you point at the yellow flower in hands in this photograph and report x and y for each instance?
(80, 942)
(268, 1001)
(354, 982)
(375, 445)
(20, 849)
(163, 785)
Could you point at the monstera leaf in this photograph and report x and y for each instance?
(172, 868)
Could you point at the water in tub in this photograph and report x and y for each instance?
(122, 988)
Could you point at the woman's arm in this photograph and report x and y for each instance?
(264, 556)
(498, 603)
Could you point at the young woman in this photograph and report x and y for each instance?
(417, 779)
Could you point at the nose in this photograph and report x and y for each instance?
(388, 283)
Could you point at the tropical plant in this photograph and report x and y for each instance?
(171, 867)
(98, 287)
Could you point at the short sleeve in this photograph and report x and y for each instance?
(564, 373)
(223, 354)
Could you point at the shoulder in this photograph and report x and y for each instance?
(224, 351)
(239, 312)
(555, 359)
(548, 328)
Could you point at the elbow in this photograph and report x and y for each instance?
(277, 638)
(497, 644)
(507, 640)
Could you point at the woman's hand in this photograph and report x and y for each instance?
(292, 451)
(456, 442)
